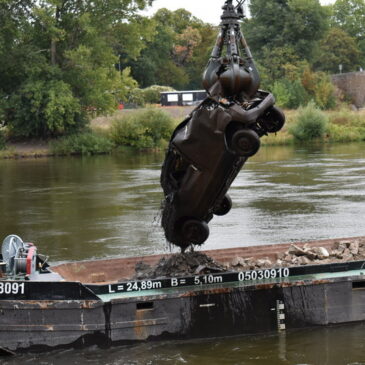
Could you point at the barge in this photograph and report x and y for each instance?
(98, 302)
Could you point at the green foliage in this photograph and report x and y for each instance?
(342, 133)
(275, 61)
(290, 94)
(200, 55)
(43, 109)
(295, 24)
(130, 38)
(151, 94)
(338, 48)
(178, 53)
(325, 93)
(349, 15)
(58, 60)
(173, 74)
(311, 124)
(305, 23)
(320, 88)
(137, 97)
(346, 126)
(143, 129)
(82, 144)
(95, 82)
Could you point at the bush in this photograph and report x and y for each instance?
(325, 93)
(152, 95)
(144, 129)
(290, 94)
(311, 124)
(43, 109)
(135, 98)
(82, 144)
(320, 88)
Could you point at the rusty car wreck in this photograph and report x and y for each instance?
(208, 149)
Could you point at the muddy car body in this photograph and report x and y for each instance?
(206, 152)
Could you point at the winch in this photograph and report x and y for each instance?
(18, 258)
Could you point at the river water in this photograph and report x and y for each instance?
(108, 206)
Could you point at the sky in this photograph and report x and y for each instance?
(207, 10)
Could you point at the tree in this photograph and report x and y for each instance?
(349, 15)
(276, 60)
(61, 58)
(186, 42)
(200, 54)
(177, 54)
(320, 88)
(14, 24)
(291, 24)
(338, 48)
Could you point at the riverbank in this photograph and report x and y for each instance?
(27, 149)
(343, 125)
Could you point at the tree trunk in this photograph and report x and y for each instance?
(53, 52)
(54, 41)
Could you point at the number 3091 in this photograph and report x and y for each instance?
(11, 288)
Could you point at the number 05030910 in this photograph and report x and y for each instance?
(263, 274)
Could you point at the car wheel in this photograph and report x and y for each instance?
(245, 142)
(195, 231)
(273, 120)
(224, 207)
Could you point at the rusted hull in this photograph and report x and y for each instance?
(214, 312)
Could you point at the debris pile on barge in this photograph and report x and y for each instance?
(189, 263)
(198, 263)
(341, 251)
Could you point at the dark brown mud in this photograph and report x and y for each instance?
(198, 263)
(181, 264)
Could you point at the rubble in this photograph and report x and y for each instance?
(342, 251)
(182, 264)
(198, 263)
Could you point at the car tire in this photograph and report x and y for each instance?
(224, 207)
(245, 142)
(195, 231)
(273, 120)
